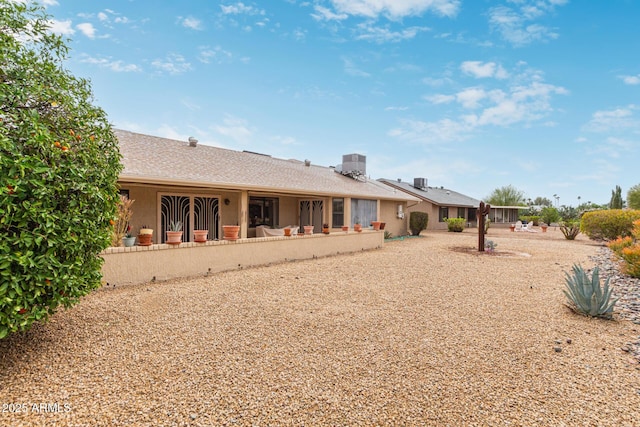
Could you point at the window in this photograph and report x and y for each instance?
(460, 212)
(363, 211)
(263, 211)
(472, 214)
(337, 219)
(444, 213)
(194, 212)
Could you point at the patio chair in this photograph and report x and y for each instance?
(519, 226)
(529, 227)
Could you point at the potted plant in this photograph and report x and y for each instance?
(174, 234)
(357, 226)
(128, 240)
(345, 228)
(145, 236)
(231, 232)
(325, 228)
(544, 227)
(376, 224)
(121, 223)
(200, 236)
(308, 229)
(287, 231)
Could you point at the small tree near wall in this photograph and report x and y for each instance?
(59, 163)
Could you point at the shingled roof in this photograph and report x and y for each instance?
(435, 195)
(154, 160)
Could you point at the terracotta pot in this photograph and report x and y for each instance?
(200, 236)
(345, 228)
(145, 239)
(325, 230)
(512, 227)
(231, 232)
(544, 228)
(382, 224)
(376, 224)
(308, 229)
(287, 232)
(174, 237)
(357, 227)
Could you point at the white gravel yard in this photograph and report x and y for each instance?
(412, 334)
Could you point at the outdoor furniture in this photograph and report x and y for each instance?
(263, 231)
(519, 226)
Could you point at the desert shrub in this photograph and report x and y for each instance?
(619, 244)
(631, 257)
(608, 224)
(535, 219)
(123, 216)
(59, 163)
(570, 229)
(586, 296)
(417, 222)
(455, 224)
(549, 214)
(388, 235)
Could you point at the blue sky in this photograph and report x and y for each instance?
(473, 95)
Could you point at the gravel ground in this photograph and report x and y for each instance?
(415, 333)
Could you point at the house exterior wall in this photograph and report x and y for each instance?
(141, 264)
(389, 214)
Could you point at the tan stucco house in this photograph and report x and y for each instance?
(207, 187)
(441, 203)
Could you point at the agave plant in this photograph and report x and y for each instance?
(585, 294)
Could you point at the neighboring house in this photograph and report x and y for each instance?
(206, 187)
(441, 203)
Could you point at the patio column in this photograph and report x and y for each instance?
(243, 207)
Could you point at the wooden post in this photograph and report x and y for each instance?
(483, 211)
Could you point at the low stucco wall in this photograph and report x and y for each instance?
(140, 264)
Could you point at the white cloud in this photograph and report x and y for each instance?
(234, 128)
(191, 23)
(241, 9)
(63, 28)
(525, 99)
(117, 65)
(395, 9)
(381, 35)
(631, 80)
(87, 29)
(103, 16)
(480, 69)
(49, 2)
(172, 64)
(515, 24)
(217, 54)
(613, 120)
(351, 69)
(324, 14)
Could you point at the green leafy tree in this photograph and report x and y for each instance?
(542, 201)
(616, 199)
(549, 214)
(633, 197)
(59, 163)
(506, 196)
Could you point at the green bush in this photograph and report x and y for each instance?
(59, 163)
(417, 222)
(608, 224)
(535, 219)
(549, 214)
(455, 224)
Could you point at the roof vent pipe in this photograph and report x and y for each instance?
(307, 162)
(192, 141)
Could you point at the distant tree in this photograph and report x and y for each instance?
(506, 196)
(542, 201)
(616, 199)
(59, 164)
(633, 197)
(549, 214)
